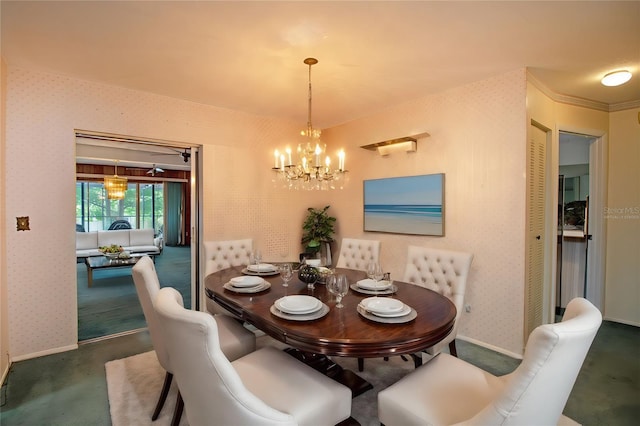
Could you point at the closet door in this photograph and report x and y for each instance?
(535, 241)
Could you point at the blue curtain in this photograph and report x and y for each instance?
(173, 214)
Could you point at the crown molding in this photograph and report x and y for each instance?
(575, 101)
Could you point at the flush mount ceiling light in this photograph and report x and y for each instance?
(616, 78)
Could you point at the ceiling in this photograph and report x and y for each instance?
(248, 56)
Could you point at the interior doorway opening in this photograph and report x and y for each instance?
(158, 198)
(576, 173)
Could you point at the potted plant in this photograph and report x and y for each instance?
(317, 231)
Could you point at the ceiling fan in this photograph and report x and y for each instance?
(185, 155)
(155, 170)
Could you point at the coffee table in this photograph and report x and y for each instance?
(103, 262)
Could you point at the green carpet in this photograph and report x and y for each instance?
(111, 305)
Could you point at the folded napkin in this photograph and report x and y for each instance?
(262, 267)
(370, 284)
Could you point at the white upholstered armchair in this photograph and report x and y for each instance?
(447, 390)
(266, 387)
(225, 254)
(235, 340)
(356, 254)
(445, 272)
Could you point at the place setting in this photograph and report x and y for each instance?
(257, 268)
(386, 310)
(299, 307)
(247, 284)
(375, 284)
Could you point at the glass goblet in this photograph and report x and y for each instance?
(341, 289)
(286, 273)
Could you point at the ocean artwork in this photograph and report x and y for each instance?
(405, 205)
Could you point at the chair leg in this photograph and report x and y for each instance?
(177, 414)
(163, 395)
(417, 360)
(452, 348)
(360, 364)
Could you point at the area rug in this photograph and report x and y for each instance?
(134, 385)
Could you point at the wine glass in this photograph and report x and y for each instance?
(286, 273)
(378, 272)
(341, 287)
(257, 256)
(371, 266)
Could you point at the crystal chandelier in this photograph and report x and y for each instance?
(115, 185)
(313, 170)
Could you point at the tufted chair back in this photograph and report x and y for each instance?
(224, 254)
(445, 272)
(356, 254)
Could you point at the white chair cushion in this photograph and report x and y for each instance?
(86, 240)
(292, 387)
(235, 340)
(117, 237)
(434, 397)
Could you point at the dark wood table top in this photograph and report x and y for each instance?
(342, 332)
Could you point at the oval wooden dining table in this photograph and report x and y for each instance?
(342, 332)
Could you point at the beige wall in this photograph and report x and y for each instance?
(477, 139)
(4, 317)
(477, 135)
(622, 297)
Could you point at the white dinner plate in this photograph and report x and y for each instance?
(405, 311)
(382, 305)
(255, 289)
(369, 284)
(298, 304)
(246, 281)
(317, 314)
(387, 320)
(262, 267)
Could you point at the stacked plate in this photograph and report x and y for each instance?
(261, 269)
(369, 286)
(247, 284)
(384, 309)
(299, 308)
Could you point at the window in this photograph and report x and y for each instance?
(142, 206)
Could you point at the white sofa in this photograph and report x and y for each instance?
(132, 240)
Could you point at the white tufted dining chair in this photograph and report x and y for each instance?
(356, 254)
(225, 254)
(266, 387)
(445, 272)
(448, 390)
(236, 341)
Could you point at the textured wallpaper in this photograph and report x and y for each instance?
(477, 139)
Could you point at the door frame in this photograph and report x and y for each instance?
(596, 260)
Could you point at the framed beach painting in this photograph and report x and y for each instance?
(405, 205)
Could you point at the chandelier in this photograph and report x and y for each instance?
(115, 185)
(312, 168)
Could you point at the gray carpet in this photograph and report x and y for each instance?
(111, 305)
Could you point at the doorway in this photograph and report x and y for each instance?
(579, 231)
(159, 197)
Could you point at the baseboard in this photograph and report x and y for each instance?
(621, 321)
(491, 347)
(5, 373)
(44, 353)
